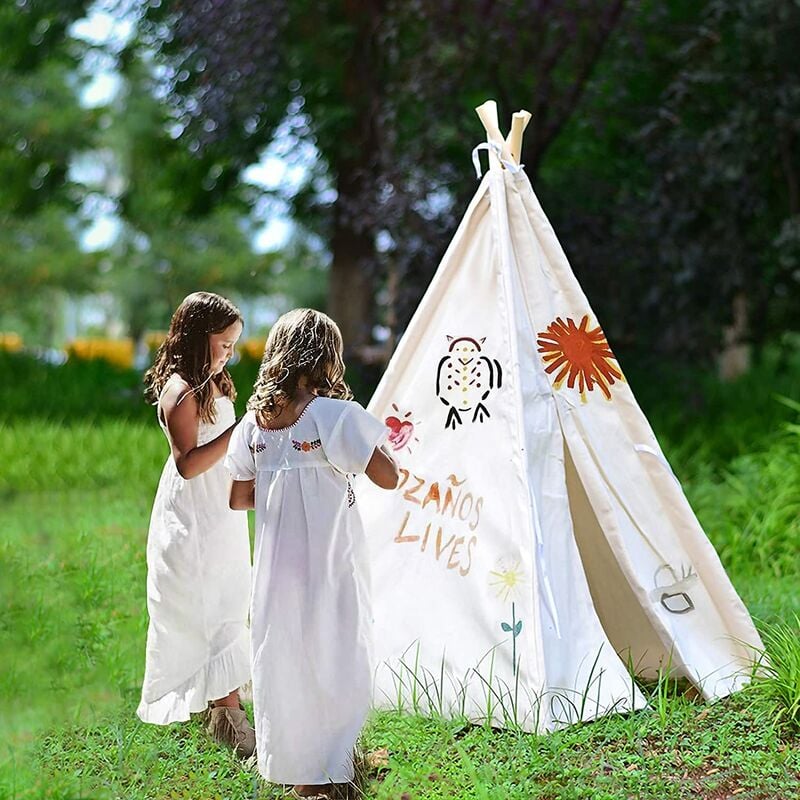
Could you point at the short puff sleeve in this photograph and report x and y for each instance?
(353, 439)
(239, 460)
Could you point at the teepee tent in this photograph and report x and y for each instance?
(538, 550)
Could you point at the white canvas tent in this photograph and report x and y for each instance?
(538, 548)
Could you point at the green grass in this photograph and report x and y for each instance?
(751, 507)
(701, 748)
(74, 505)
(72, 617)
(779, 682)
(693, 750)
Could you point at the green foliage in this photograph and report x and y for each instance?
(669, 170)
(39, 252)
(727, 162)
(41, 126)
(75, 392)
(185, 215)
(674, 188)
(746, 529)
(701, 420)
(778, 682)
(33, 32)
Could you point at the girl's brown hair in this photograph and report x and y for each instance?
(187, 351)
(303, 342)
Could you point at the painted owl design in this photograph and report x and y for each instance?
(465, 378)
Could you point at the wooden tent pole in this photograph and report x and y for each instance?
(519, 121)
(488, 116)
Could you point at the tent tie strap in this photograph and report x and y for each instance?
(495, 148)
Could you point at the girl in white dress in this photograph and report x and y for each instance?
(291, 458)
(198, 548)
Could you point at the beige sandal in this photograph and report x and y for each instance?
(231, 727)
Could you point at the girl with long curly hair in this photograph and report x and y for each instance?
(292, 459)
(198, 548)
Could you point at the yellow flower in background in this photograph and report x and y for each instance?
(10, 342)
(252, 348)
(154, 339)
(506, 577)
(118, 352)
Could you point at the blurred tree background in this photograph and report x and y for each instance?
(42, 125)
(664, 145)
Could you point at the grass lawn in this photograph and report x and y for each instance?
(74, 505)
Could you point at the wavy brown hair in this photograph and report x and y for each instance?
(187, 351)
(303, 342)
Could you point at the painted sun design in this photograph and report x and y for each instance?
(401, 429)
(506, 578)
(579, 354)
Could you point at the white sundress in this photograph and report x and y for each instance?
(198, 588)
(310, 615)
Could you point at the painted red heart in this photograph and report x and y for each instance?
(393, 423)
(401, 432)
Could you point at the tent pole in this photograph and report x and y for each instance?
(519, 121)
(488, 116)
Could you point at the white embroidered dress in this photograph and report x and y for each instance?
(310, 614)
(198, 588)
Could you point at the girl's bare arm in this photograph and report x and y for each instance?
(243, 495)
(182, 422)
(382, 470)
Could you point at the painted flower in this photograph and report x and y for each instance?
(506, 578)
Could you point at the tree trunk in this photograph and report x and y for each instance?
(734, 359)
(352, 276)
(350, 294)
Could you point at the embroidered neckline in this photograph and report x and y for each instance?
(305, 446)
(289, 427)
